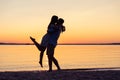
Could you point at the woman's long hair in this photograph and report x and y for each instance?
(54, 19)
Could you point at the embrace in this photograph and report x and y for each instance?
(49, 41)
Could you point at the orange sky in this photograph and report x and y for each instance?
(85, 20)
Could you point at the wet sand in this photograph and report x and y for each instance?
(64, 74)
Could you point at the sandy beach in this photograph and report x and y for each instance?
(64, 74)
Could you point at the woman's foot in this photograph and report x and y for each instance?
(33, 39)
(40, 63)
(41, 48)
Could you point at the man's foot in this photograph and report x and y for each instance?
(49, 71)
(41, 64)
(59, 69)
(33, 39)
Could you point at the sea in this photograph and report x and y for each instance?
(26, 57)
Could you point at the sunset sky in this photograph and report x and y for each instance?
(86, 21)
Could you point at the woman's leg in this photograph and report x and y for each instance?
(41, 57)
(37, 44)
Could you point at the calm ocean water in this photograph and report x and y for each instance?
(26, 57)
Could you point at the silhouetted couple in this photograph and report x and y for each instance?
(49, 41)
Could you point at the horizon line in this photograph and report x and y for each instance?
(109, 43)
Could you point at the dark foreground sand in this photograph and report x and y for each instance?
(65, 74)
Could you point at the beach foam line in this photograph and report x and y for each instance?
(73, 69)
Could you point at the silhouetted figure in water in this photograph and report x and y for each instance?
(45, 39)
(53, 42)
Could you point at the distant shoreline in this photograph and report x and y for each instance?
(16, 44)
(3, 43)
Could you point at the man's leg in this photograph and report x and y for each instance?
(50, 52)
(56, 63)
(50, 63)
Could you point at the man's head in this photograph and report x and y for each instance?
(60, 21)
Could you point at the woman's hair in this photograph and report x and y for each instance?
(54, 19)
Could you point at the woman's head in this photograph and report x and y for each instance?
(54, 19)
